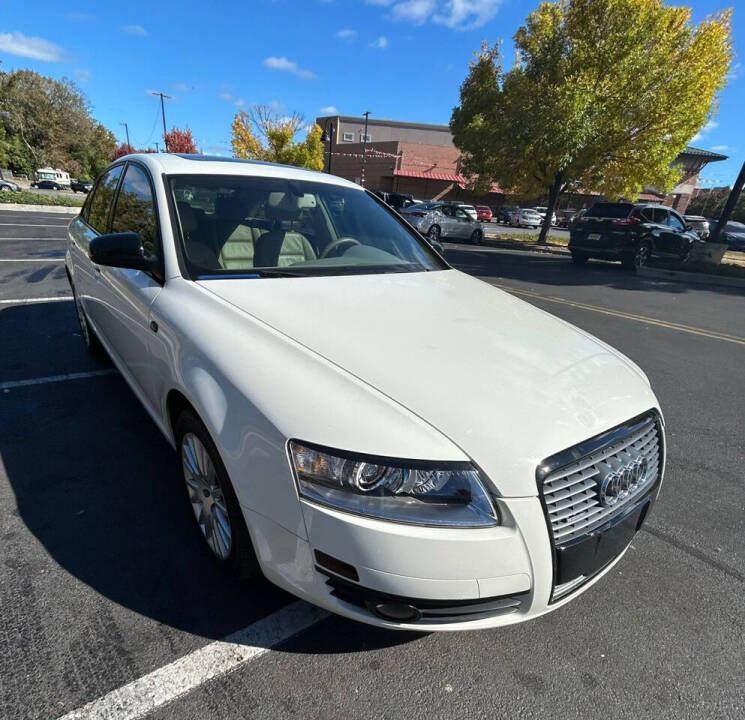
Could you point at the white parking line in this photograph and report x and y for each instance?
(26, 301)
(34, 224)
(172, 681)
(44, 260)
(12, 384)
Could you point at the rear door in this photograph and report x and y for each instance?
(447, 223)
(463, 223)
(679, 237)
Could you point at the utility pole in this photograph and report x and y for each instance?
(126, 130)
(163, 112)
(730, 205)
(157, 149)
(364, 149)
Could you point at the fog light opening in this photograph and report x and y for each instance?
(395, 611)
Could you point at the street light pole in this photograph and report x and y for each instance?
(364, 149)
(163, 112)
(729, 205)
(126, 130)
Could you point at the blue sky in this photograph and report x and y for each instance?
(402, 59)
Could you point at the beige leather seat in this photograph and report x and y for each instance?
(281, 247)
(236, 234)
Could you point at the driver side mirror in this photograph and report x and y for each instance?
(122, 250)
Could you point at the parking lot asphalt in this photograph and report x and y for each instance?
(103, 579)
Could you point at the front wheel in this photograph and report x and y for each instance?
(212, 499)
(477, 236)
(434, 233)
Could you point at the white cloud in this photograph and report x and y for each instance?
(328, 110)
(182, 87)
(734, 72)
(36, 48)
(83, 76)
(346, 34)
(455, 14)
(239, 102)
(226, 96)
(275, 105)
(467, 14)
(380, 44)
(282, 63)
(136, 30)
(720, 148)
(415, 11)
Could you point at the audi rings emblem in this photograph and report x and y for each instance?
(622, 481)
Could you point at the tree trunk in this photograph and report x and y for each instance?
(553, 197)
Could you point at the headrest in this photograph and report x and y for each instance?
(287, 205)
(230, 207)
(187, 216)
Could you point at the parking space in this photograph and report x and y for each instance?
(103, 579)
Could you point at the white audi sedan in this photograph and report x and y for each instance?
(302, 349)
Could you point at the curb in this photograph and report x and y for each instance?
(691, 278)
(63, 209)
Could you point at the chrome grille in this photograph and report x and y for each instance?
(572, 493)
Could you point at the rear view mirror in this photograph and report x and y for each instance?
(122, 250)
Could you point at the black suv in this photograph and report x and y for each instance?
(631, 233)
(83, 186)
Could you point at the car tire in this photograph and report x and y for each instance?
(95, 348)
(212, 502)
(434, 233)
(639, 258)
(580, 258)
(477, 237)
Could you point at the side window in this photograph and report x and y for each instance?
(85, 210)
(461, 214)
(675, 222)
(103, 194)
(659, 216)
(135, 210)
(447, 210)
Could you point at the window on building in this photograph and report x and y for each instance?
(347, 137)
(365, 138)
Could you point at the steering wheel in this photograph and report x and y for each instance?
(337, 243)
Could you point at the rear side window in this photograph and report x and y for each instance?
(675, 222)
(103, 196)
(135, 209)
(660, 216)
(609, 210)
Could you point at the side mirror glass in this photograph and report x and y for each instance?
(122, 250)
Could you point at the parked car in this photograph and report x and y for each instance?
(48, 185)
(542, 212)
(439, 221)
(295, 345)
(700, 224)
(83, 186)
(396, 200)
(633, 234)
(526, 217)
(483, 213)
(504, 213)
(565, 217)
(734, 235)
(469, 209)
(9, 186)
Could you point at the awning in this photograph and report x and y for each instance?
(446, 177)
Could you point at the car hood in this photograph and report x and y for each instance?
(505, 381)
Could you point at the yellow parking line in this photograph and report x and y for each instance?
(628, 316)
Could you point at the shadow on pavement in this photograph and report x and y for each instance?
(100, 488)
(553, 269)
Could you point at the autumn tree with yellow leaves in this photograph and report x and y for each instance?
(604, 95)
(261, 134)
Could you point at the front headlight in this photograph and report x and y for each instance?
(419, 493)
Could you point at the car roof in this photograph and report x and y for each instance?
(182, 164)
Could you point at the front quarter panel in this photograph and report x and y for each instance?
(255, 389)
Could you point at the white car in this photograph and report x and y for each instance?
(442, 220)
(526, 218)
(542, 210)
(301, 348)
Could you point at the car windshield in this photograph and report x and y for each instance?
(271, 227)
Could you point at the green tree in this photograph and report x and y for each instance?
(261, 134)
(603, 95)
(49, 122)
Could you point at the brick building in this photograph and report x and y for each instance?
(420, 159)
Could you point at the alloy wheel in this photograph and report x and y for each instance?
(206, 496)
(641, 256)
